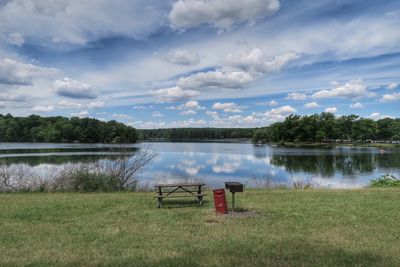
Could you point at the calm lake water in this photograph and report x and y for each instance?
(215, 163)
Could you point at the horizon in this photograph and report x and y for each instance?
(187, 63)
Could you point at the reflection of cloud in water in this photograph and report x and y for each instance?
(329, 182)
(227, 167)
(163, 177)
(189, 162)
(214, 159)
(191, 170)
(321, 182)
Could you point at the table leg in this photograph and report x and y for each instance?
(160, 197)
(159, 202)
(200, 198)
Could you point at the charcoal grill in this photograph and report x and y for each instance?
(234, 187)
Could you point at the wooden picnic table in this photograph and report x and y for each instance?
(179, 190)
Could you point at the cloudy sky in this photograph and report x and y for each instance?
(199, 63)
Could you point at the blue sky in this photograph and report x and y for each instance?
(198, 63)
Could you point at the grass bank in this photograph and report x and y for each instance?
(291, 227)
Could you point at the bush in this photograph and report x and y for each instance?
(86, 179)
(385, 181)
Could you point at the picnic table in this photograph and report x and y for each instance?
(179, 190)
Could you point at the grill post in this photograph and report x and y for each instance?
(233, 201)
(233, 188)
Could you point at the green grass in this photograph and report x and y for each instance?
(292, 228)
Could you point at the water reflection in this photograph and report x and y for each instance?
(215, 163)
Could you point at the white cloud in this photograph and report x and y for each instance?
(16, 39)
(311, 105)
(296, 96)
(390, 97)
(233, 110)
(14, 72)
(156, 114)
(2, 104)
(50, 23)
(222, 14)
(331, 109)
(271, 103)
(188, 112)
(73, 105)
(223, 105)
(182, 57)
(69, 105)
(227, 107)
(173, 94)
(43, 109)
(357, 105)
(193, 105)
(95, 104)
(236, 71)
(74, 89)
(143, 107)
(352, 90)
(392, 86)
(279, 114)
(378, 116)
(121, 116)
(255, 119)
(16, 98)
(189, 123)
(211, 113)
(82, 114)
(216, 79)
(255, 61)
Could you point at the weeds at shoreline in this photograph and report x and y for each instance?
(266, 182)
(89, 176)
(386, 181)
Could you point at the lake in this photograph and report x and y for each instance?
(217, 162)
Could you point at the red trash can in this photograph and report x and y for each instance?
(220, 201)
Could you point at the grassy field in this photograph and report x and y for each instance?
(290, 228)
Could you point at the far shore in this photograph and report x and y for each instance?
(235, 140)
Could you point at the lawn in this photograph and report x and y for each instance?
(290, 228)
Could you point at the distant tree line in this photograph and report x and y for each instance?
(61, 129)
(196, 133)
(314, 128)
(327, 127)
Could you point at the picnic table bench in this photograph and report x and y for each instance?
(179, 190)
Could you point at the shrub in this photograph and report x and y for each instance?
(385, 181)
(87, 179)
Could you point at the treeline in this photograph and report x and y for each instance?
(61, 129)
(326, 127)
(196, 133)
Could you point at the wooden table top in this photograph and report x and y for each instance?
(179, 184)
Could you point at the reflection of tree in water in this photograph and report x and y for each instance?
(259, 152)
(389, 160)
(63, 159)
(56, 160)
(327, 165)
(321, 164)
